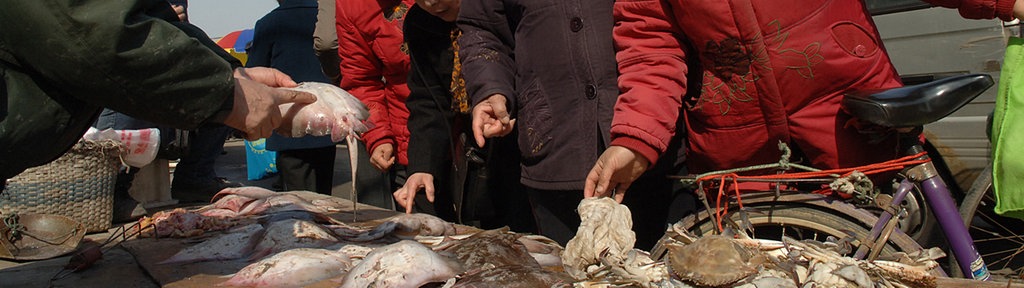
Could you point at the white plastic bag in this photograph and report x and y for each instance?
(141, 146)
(335, 112)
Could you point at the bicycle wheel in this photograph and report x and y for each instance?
(997, 238)
(804, 216)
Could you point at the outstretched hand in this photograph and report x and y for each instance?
(256, 99)
(406, 196)
(491, 119)
(614, 171)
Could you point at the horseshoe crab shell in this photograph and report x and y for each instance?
(713, 260)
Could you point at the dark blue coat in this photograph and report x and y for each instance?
(283, 39)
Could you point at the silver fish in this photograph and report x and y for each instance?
(335, 112)
(292, 268)
(403, 264)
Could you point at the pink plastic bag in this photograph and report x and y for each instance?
(335, 112)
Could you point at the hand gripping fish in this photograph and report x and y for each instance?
(336, 113)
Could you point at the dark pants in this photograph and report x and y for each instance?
(307, 169)
(205, 145)
(372, 185)
(649, 199)
(555, 212)
(502, 193)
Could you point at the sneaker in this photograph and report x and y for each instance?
(199, 191)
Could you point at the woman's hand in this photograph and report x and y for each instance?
(383, 156)
(491, 119)
(614, 171)
(406, 196)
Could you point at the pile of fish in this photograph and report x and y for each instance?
(290, 242)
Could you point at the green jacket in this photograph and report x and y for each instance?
(61, 61)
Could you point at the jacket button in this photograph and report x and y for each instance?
(576, 24)
(591, 91)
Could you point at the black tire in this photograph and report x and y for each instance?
(804, 216)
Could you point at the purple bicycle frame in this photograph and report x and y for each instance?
(946, 212)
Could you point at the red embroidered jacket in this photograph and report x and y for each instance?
(375, 65)
(768, 71)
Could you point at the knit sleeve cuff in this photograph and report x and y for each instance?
(639, 147)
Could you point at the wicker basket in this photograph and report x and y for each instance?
(79, 185)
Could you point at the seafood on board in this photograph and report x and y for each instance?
(290, 241)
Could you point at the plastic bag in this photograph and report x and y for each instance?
(141, 146)
(259, 162)
(335, 112)
(1007, 161)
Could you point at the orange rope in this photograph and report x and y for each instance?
(721, 213)
(869, 169)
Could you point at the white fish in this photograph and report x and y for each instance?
(335, 112)
(403, 264)
(292, 268)
(247, 191)
(419, 224)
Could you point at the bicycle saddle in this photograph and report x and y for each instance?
(915, 105)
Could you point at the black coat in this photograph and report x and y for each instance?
(62, 61)
(283, 39)
(554, 60)
(485, 192)
(430, 114)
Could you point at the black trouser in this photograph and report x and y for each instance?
(649, 199)
(309, 169)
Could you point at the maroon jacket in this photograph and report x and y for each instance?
(771, 71)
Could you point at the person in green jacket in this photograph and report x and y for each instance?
(62, 61)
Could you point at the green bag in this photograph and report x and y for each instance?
(1007, 142)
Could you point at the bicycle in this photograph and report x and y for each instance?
(788, 209)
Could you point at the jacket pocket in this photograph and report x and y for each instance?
(534, 122)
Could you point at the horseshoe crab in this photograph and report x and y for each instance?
(713, 260)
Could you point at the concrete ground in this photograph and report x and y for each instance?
(232, 166)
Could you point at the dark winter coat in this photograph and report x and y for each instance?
(62, 61)
(283, 39)
(555, 63)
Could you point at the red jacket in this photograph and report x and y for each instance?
(374, 67)
(771, 71)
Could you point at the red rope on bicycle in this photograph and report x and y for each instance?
(722, 212)
(869, 169)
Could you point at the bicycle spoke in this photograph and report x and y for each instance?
(992, 221)
(1000, 238)
(1006, 260)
